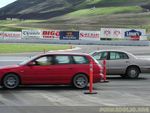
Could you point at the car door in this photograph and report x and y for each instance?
(41, 72)
(63, 69)
(117, 62)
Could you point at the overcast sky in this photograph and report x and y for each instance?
(5, 2)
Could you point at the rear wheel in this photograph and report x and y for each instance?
(10, 81)
(133, 72)
(80, 81)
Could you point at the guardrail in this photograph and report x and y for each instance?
(79, 42)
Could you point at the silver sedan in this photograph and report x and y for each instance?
(122, 63)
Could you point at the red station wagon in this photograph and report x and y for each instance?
(51, 69)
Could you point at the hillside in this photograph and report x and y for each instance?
(45, 9)
(76, 14)
(38, 9)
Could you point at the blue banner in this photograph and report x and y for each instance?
(69, 35)
(132, 33)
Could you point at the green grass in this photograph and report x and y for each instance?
(7, 28)
(112, 1)
(20, 48)
(11, 25)
(88, 2)
(105, 11)
(108, 2)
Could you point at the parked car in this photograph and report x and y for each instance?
(122, 63)
(51, 69)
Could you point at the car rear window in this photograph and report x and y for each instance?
(80, 60)
(118, 55)
(62, 60)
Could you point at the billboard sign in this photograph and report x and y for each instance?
(69, 35)
(117, 33)
(1, 35)
(11, 35)
(50, 34)
(31, 34)
(89, 35)
(135, 34)
(111, 33)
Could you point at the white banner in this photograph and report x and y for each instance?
(89, 35)
(1, 34)
(11, 35)
(135, 34)
(51, 34)
(31, 34)
(111, 33)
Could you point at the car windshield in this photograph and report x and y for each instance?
(27, 60)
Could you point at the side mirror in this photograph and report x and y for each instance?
(31, 63)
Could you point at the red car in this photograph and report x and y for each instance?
(51, 69)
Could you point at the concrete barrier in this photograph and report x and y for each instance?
(80, 42)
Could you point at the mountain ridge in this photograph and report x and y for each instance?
(46, 9)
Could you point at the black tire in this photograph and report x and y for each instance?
(80, 81)
(10, 81)
(133, 72)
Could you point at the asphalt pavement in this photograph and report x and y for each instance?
(65, 99)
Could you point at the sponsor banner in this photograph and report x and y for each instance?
(117, 33)
(111, 33)
(11, 35)
(51, 34)
(69, 35)
(89, 35)
(1, 35)
(31, 34)
(135, 34)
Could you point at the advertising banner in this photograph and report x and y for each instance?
(111, 33)
(11, 35)
(117, 33)
(1, 35)
(51, 34)
(69, 35)
(31, 34)
(135, 34)
(89, 35)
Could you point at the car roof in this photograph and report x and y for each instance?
(65, 53)
(111, 50)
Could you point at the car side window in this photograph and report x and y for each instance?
(62, 60)
(80, 60)
(118, 55)
(103, 55)
(100, 55)
(123, 55)
(96, 55)
(45, 60)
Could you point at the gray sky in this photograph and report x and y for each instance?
(5, 2)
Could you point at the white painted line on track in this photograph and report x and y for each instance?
(76, 48)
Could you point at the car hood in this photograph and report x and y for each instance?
(9, 67)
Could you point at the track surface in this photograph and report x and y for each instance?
(47, 99)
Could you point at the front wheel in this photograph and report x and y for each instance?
(133, 72)
(10, 81)
(80, 81)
